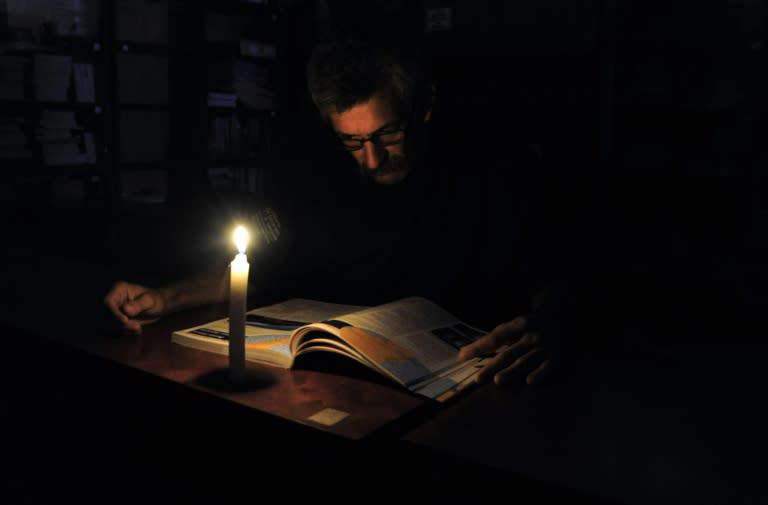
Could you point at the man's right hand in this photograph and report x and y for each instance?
(135, 305)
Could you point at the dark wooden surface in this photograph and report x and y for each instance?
(675, 426)
(294, 395)
(92, 415)
(97, 412)
(71, 313)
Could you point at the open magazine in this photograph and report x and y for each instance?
(411, 341)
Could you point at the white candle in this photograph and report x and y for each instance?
(238, 292)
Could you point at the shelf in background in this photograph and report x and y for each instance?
(69, 46)
(15, 106)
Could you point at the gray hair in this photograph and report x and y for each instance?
(342, 74)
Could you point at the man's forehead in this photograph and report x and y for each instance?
(366, 117)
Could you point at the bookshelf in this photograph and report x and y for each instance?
(138, 47)
(52, 123)
(241, 103)
(192, 117)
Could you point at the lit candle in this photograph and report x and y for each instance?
(238, 291)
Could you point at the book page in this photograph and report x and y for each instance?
(305, 311)
(454, 380)
(264, 344)
(411, 339)
(267, 332)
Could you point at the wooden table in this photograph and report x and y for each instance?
(91, 408)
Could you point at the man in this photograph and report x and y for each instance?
(428, 217)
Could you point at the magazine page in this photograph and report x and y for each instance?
(267, 332)
(330, 344)
(449, 383)
(264, 344)
(328, 331)
(303, 311)
(444, 388)
(412, 339)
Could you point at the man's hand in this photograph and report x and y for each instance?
(135, 305)
(524, 354)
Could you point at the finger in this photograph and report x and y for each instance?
(491, 341)
(114, 301)
(142, 303)
(507, 357)
(132, 327)
(521, 366)
(541, 373)
(118, 313)
(484, 344)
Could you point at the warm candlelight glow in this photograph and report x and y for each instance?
(238, 296)
(241, 238)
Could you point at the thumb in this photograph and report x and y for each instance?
(138, 305)
(492, 340)
(486, 343)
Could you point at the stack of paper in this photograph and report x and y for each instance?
(62, 141)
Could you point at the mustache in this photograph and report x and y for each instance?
(391, 165)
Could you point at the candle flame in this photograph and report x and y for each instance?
(241, 239)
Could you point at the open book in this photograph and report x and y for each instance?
(412, 341)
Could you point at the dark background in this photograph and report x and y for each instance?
(649, 116)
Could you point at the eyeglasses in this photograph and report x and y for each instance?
(381, 138)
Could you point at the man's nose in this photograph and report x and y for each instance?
(373, 155)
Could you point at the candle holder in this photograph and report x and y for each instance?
(250, 379)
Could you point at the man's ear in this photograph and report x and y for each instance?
(431, 96)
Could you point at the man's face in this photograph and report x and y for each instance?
(382, 156)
